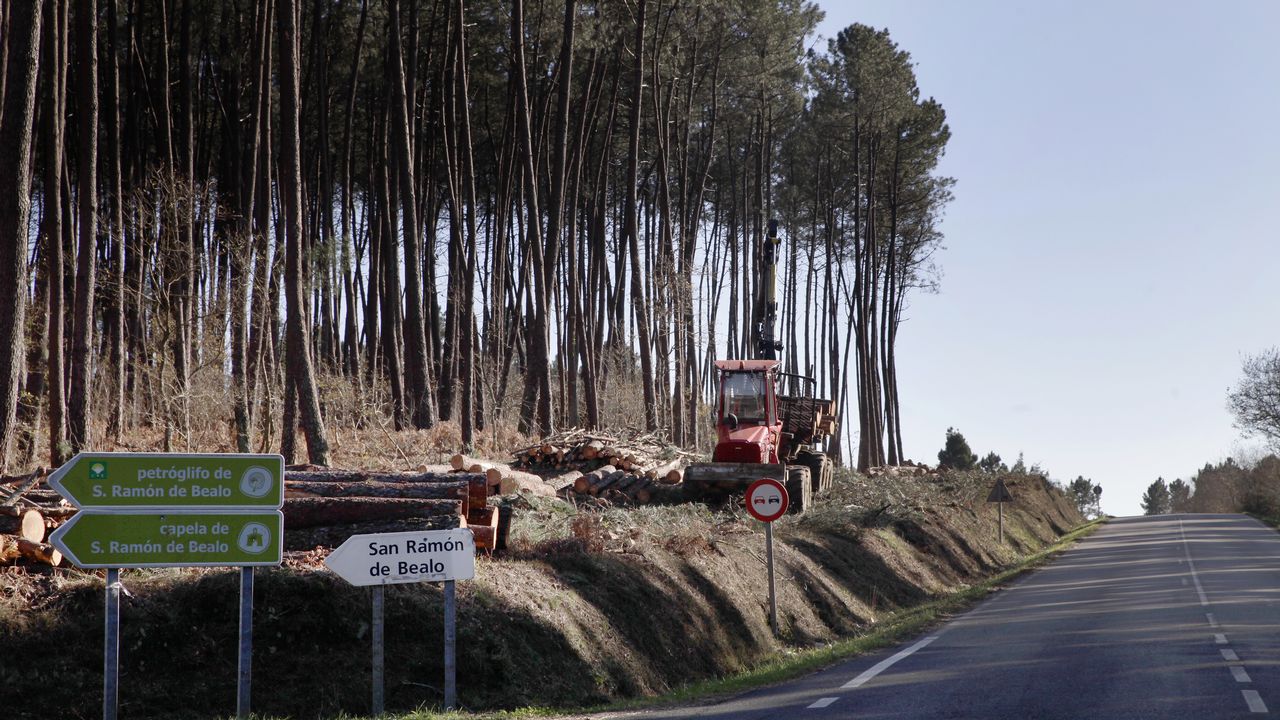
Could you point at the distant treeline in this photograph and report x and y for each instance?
(1225, 487)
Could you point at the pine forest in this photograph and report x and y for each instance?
(244, 225)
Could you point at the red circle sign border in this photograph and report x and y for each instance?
(767, 482)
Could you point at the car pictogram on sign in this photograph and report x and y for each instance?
(767, 500)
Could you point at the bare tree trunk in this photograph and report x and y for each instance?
(81, 390)
(299, 371)
(350, 345)
(632, 226)
(242, 244)
(417, 384)
(53, 112)
(116, 408)
(16, 117)
(536, 402)
(467, 366)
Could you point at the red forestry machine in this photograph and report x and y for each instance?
(762, 432)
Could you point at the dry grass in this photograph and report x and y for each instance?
(545, 526)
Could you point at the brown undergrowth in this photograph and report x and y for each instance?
(589, 606)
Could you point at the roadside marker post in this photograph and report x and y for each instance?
(767, 501)
(1000, 495)
(148, 510)
(379, 704)
(111, 648)
(382, 559)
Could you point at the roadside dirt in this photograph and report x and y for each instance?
(588, 607)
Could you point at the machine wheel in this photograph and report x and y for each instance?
(821, 469)
(799, 489)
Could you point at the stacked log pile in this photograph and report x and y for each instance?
(632, 471)
(644, 456)
(27, 515)
(322, 508)
(502, 479)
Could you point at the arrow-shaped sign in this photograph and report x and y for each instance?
(95, 539)
(405, 557)
(165, 480)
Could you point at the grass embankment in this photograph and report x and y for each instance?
(591, 608)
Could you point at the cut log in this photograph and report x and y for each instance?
(564, 480)
(25, 483)
(627, 482)
(663, 470)
(334, 535)
(582, 485)
(456, 490)
(9, 552)
(515, 481)
(37, 496)
(606, 481)
(319, 511)
(38, 552)
(350, 476)
(591, 450)
(484, 526)
(27, 524)
(642, 491)
(473, 465)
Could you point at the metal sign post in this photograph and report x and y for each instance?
(767, 501)
(1000, 495)
(379, 703)
(111, 648)
(244, 676)
(384, 559)
(773, 596)
(450, 647)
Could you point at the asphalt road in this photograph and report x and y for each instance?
(1175, 616)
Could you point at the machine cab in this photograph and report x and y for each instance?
(745, 396)
(747, 417)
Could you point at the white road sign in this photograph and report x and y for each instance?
(405, 557)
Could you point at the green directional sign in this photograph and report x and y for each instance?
(97, 539)
(165, 480)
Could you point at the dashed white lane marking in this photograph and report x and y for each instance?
(824, 702)
(1255, 701)
(885, 664)
(1251, 697)
(1184, 582)
(1192, 565)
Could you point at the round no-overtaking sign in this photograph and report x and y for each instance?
(767, 500)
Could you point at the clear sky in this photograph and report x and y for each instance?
(1112, 250)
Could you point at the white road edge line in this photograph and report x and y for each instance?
(885, 664)
(1229, 655)
(1220, 638)
(1237, 672)
(1255, 701)
(824, 702)
(1192, 564)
